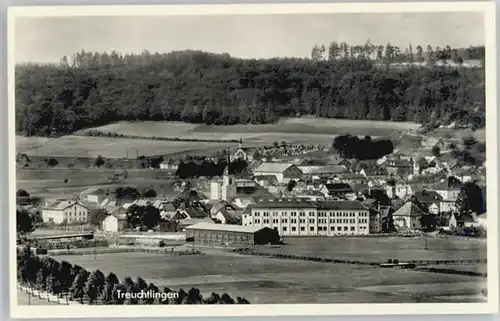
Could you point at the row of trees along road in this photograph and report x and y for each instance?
(91, 89)
(63, 278)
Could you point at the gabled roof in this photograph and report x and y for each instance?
(326, 169)
(119, 216)
(94, 191)
(273, 167)
(409, 209)
(195, 212)
(61, 205)
(339, 187)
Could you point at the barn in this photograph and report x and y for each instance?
(226, 234)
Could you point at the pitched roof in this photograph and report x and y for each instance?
(268, 177)
(336, 160)
(94, 191)
(428, 197)
(192, 221)
(409, 209)
(225, 227)
(273, 167)
(62, 205)
(326, 169)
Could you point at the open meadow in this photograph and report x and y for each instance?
(91, 147)
(304, 130)
(265, 280)
(380, 249)
(294, 130)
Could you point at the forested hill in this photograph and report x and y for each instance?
(93, 89)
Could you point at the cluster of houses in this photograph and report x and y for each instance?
(296, 197)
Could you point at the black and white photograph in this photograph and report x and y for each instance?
(266, 155)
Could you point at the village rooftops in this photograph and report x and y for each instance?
(273, 167)
(225, 228)
(339, 187)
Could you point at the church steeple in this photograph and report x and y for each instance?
(228, 163)
(240, 144)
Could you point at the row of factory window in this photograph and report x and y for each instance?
(224, 236)
(323, 229)
(313, 214)
(311, 221)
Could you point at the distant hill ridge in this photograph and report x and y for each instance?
(199, 87)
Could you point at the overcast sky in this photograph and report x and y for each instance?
(247, 36)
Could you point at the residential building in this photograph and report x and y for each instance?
(340, 190)
(461, 220)
(224, 213)
(280, 170)
(170, 164)
(399, 167)
(401, 191)
(302, 217)
(248, 154)
(209, 233)
(115, 222)
(449, 189)
(93, 195)
(407, 217)
(68, 211)
(430, 199)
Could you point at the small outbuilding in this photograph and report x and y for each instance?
(225, 234)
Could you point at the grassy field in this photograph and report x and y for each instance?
(57, 188)
(91, 147)
(380, 249)
(265, 280)
(306, 129)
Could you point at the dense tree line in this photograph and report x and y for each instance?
(63, 278)
(92, 89)
(472, 152)
(145, 217)
(208, 168)
(363, 149)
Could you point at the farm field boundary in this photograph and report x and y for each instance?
(341, 261)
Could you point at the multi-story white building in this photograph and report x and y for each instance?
(65, 211)
(302, 217)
